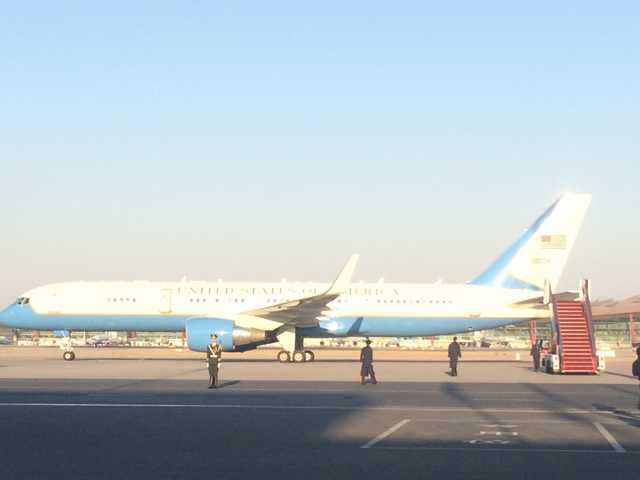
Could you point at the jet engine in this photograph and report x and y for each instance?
(230, 336)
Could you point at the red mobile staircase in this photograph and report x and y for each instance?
(575, 335)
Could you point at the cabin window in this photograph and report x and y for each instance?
(23, 301)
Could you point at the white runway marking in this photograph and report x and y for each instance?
(499, 434)
(503, 450)
(610, 438)
(500, 426)
(386, 433)
(310, 407)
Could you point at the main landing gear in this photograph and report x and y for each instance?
(299, 356)
(293, 349)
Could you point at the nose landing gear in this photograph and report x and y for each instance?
(68, 353)
(69, 356)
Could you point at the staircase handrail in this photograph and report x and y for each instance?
(586, 306)
(556, 329)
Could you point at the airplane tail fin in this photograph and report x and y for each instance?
(541, 253)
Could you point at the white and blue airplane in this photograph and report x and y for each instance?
(247, 315)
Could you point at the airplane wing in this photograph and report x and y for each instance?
(303, 312)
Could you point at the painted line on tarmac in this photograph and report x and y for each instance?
(609, 438)
(379, 389)
(312, 407)
(386, 433)
(383, 391)
(504, 450)
(237, 389)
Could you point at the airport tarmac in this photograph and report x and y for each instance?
(141, 414)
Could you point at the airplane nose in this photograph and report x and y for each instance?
(4, 317)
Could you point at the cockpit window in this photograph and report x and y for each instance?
(22, 301)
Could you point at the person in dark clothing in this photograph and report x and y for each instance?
(454, 355)
(535, 353)
(214, 355)
(635, 369)
(366, 358)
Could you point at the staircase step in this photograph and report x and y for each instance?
(575, 337)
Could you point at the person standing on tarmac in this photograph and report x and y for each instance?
(635, 369)
(535, 353)
(214, 355)
(454, 355)
(366, 358)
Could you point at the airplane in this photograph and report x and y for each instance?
(245, 316)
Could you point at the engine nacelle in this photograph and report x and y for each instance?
(230, 336)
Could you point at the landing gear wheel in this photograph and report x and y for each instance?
(68, 356)
(309, 356)
(299, 357)
(283, 356)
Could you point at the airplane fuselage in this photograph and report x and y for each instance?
(365, 309)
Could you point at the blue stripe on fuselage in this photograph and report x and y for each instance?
(382, 326)
(23, 317)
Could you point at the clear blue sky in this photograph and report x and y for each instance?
(148, 140)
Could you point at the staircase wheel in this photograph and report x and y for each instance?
(309, 356)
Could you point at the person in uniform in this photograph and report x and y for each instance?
(454, 355)
(214, 354)
(535, 353)
(366, 358)
(635, 369)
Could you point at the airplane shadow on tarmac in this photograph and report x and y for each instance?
(274, 360)
(178, 429)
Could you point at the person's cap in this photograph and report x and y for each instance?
(213, 335)
(368, 342)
